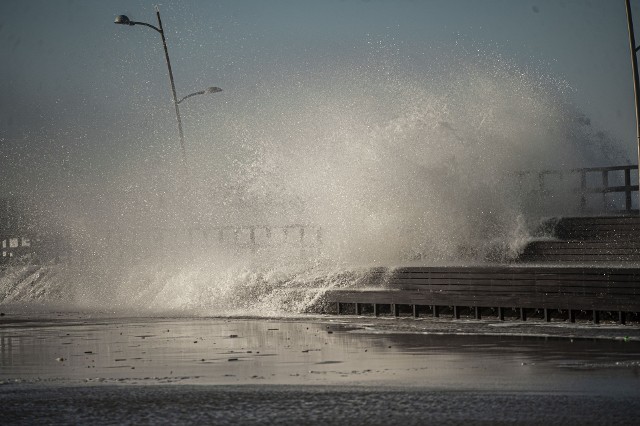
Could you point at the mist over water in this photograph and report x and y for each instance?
(384, 162)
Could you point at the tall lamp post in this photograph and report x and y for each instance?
(124, 20)
(636, 81)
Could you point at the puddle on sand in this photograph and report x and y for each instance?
(295, 352)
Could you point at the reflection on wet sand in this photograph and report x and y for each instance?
(225, 351)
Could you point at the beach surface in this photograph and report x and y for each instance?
(73, 367)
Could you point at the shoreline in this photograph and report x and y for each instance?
(532, 328)
(314, 350)
(320, 370)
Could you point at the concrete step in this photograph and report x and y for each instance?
(598, 228)
(579, 250)
(595, 289)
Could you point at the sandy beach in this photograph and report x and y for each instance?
(70, 367)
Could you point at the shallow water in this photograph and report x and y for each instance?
(73, 368)
(326, 352)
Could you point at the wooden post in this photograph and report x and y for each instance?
(547, 315)
(416, 314)
(523, 314)
(477, 312)
(338, 308)
(501, 314)
(456, 312)
(376, 310)
(436, 311)
(595, 316)
(572, 315)
(622, 319)
(358, 308)
(395, 309)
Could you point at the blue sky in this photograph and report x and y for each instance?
(79, 92)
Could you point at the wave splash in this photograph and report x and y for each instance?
(393, 165)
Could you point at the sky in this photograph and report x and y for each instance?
(82, 99)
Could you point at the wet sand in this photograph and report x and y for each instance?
(61, 366)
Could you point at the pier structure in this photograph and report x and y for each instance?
(583, 267)
(590, 270)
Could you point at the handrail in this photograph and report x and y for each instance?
(627, 188)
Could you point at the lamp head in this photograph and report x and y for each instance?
(123, 19)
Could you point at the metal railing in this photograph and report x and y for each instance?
(16, 238)
(608, 184)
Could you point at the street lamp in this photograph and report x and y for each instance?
(202, 92)
(636, 79)
(124, 20)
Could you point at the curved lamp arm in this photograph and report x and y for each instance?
(124, 20)
(202, 92)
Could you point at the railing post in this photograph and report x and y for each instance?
(627, 189)
(541, 183)
(583, 190)
(605, 186)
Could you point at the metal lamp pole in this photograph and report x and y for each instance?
(636, 80)
(124, 20)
